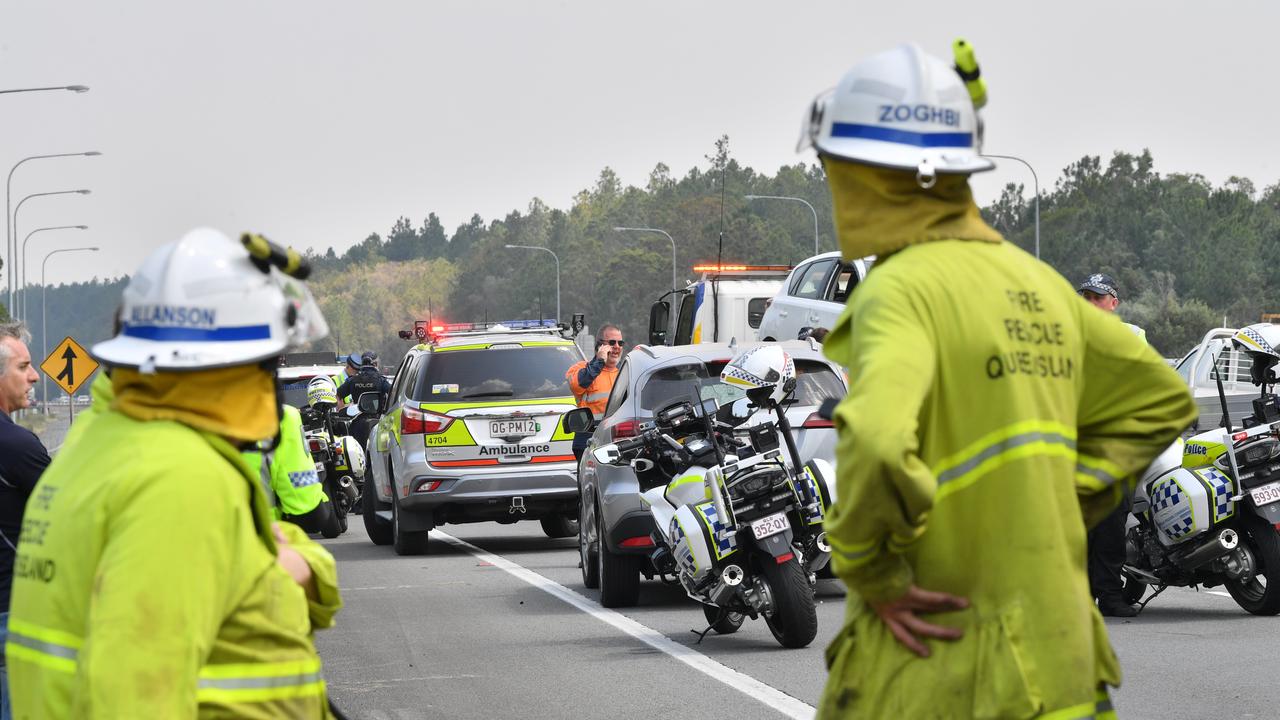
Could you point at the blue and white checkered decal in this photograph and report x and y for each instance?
(1171, 509)
(303, 478)
(1256, 337)
(1223, 490)
(684, 556)
(725, 542)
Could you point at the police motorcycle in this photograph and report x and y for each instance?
(1206, 511)
(738, 519)
(339, 459)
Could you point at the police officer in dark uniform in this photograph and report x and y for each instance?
(368, 380)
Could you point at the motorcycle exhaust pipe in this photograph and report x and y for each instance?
(727, 586)
(1226, 541)
(347, 487)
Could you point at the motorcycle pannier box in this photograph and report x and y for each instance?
(1186, 503)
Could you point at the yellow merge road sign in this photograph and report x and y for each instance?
(69, 365)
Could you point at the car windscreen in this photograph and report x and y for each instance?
(495, 374)
(815, 382)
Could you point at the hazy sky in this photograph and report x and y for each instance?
(319, 122)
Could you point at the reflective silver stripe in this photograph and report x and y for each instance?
(1002, 447)
(592, 397)
(1098, 474)
(41, 646)
(264, 476)
(257, 683)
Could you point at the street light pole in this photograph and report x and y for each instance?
(72, 88)
(674, 284)
(557, 258)
(10, 248)
(44, 334)
(806, 202)
(23, 297)
(1034, 180)
(16, 256)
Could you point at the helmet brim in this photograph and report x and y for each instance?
(879, 153)
(131, 352)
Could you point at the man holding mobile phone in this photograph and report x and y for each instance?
(592, 380)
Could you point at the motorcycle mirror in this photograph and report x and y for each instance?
(607, 454)
(368, 403)
(642, 465)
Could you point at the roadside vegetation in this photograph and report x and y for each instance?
(1188, 255)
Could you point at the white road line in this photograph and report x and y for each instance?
(1219, 592)
(766, 694)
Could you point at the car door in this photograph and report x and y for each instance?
(384, 443)
(804, 301)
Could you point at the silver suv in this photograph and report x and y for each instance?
(614, 528)
(472, 434)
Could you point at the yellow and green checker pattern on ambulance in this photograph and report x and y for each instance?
(474, 432)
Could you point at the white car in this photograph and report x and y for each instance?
(813, 295)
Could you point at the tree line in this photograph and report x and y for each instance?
(1188, 255)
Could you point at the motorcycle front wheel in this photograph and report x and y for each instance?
(794, 620)
(1260, 595)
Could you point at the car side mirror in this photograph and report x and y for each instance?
(607, 455)
(368, 403)
(659, 317)
(578, 420)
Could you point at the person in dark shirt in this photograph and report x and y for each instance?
(22, 460)
(366, 381)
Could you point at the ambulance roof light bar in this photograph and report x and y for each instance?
(436, 331)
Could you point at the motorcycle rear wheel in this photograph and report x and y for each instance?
(1261, 594)
(794, 620)
(724, 622)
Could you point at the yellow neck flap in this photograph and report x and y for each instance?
(237, 403)
(879, 211)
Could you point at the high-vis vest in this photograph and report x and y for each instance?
(148, 586)
(288, 473)
(595, 395)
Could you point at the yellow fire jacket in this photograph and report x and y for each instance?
(147, 586)
(992, 417)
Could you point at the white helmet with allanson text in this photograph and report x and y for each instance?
(767, 373)
(1261, 341)
(903, 109)
(205, 301)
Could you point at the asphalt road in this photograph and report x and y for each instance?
(483, 630)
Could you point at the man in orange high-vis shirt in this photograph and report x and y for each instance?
(592, 381)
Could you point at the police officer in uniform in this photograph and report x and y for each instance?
(368, 380)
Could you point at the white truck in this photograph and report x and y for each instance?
(726, 302)
(1196, 368)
